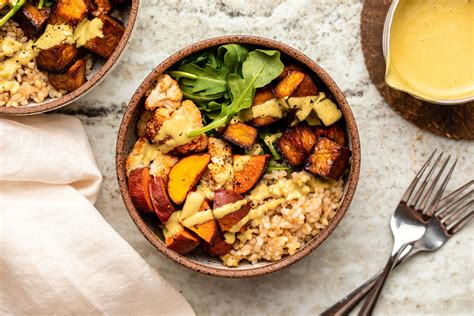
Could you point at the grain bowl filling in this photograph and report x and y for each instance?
(48, 47)
(240, 153)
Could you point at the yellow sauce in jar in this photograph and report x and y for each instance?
(431, 49)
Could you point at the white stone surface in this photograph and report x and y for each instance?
(392, 150)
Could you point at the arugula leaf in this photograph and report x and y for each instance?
(207, 80)
(234, 56)
(258, 70)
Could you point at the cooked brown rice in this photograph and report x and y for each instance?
(285, 229)
(29, 84)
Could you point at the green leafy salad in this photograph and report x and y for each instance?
(223, 82)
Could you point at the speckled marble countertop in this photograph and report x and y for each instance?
(392, 150)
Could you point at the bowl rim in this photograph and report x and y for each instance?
(97, 77)
(135, 102)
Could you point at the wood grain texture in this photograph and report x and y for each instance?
(452, 121)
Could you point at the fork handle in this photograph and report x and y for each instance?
(373, 296)
(345, 305)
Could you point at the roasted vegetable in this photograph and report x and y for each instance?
(208, 230)
(113, 31)
(261, 96)
(160, 200)
(218, 247)
(69, 12)
(296, 143)
(306, 88)
(328, 159)
(141, 155)
(32, 20)
(99, 7)
(72, 79)
(57, 59)
(327, 111)
(248, 170)
(288, 85)
(177, 238)
(270, 141)
(165, 94)
(241, 134)
(185, 174)
(138, 187)
(182, 242)
(221, 169)
(289, 67)
(178, 121)
(223, 197)
(333, 132)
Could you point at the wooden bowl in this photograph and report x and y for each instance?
(99, 71)
(148, 225)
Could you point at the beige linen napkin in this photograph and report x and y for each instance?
(57, 254)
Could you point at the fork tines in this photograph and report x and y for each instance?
(424, 193)
(456, 208)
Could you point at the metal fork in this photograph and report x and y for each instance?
(453, 213)
(409, 221)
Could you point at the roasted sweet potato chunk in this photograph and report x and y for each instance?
(69, 12)
(306, 88)
(288, 85)
(72, 79)
(185, 174)
(248, 170)
(218, 247)
(296, 143)
(113, 31)
(328, 159)
(223, 197)
(333, 132)
(208, 230)
(138, 187)
(182, 242)
(160, 200)
(261, 96)
(289, 67)
(57, 59)
(241, 134)
(32, 20)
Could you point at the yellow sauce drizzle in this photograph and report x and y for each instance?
(55, 35)
(87, 30)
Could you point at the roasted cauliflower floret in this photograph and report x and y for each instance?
(143, 153)
(161, 166)
(169, 129)
(155, 123)
(166, 94)
(141, 124)
(221, 168)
